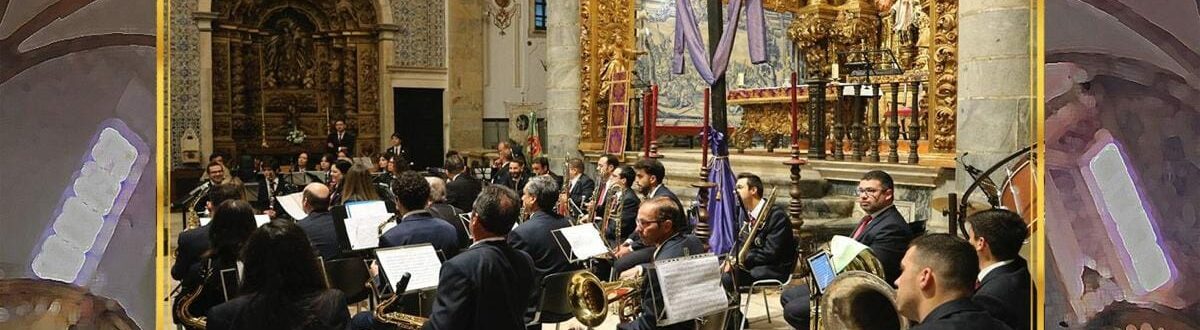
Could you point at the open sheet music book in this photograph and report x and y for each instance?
(583, 241)
(420, 260)
(363, 231)
(293, 204)
(365, 208)
(691, 288)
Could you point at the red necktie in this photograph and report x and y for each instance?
(862, 226)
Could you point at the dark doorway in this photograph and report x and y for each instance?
(418, 113)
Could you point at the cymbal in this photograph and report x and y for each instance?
(943, 203)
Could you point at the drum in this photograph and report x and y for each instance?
(1019, 192)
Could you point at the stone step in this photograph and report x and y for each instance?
(684, 169)
(830, 206)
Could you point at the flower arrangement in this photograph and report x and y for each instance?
(296, 136)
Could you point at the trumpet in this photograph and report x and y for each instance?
(739, 260)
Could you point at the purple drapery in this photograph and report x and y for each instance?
(722, 211)
(687, 35)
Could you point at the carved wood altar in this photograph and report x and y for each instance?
(607, 26)
(280, 65)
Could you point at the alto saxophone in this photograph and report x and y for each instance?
(190, 218)
(400, 320)
(185, 300)
(760, 221)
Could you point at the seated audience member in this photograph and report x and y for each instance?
(1005, 289)
(318, 225)
(490, 285)
(461, 188)
(231, 226)
(282, 286)
(440, 209)
(937, 279)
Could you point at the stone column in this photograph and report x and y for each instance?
(465, 58)
(562, 81)
(994, 91)
(387, 115)
(204, 19)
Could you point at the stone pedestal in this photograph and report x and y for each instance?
(562, 82)
(994, 92)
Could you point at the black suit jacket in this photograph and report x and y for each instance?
(662, 191)
(628, 217)
(347, 141)
(517, 183)
(582, 192)
(1005, 293)
(462, 191)
(772, 254)
(422, 227)
(680, 245)
(264, 201)
(192, 244)
(500, 174)
(534, 237)
(960, 314)
(449, 213)
(888, 237)
(488, 286)
(328, 308)
(322, 234)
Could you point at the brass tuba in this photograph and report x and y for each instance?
(590, 298)
(858, 298)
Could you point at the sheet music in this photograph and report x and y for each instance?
(844, 249)
(261, 219)
(205, 221)
(419, 260)
(293, 204)
(363, 232)
(365, 208)
(584, 240)
(691, 288)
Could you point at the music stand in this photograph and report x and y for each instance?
(583, 238)
(343, 238)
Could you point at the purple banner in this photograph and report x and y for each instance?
(722, 212)
(687, 35)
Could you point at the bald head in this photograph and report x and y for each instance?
(316, 197)
(437, 189)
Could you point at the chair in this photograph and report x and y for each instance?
(760, 286)
(553, 305)
(918, 228)
(350, 276)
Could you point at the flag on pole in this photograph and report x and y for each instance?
(535, 142)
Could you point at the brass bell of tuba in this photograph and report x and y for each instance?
(589, 298)
(859, 298)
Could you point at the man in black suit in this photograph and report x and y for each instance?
(883, 230)
(216, 174)
(1004, 287)
(318, 224)
(340, 139)
(605, 166)
(194, 242)
(462, 189)
(416, 224)
(649, 175)
(656, 224)
(936, 283)
(270, 187)
(535, 237)
(396, 150)
(622, 226)
(517, 176)
(500, 164)
(579, 188)
(772, 253)
(541, 167)
(448, 213)
(490, 284)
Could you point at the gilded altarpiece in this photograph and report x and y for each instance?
(607, 29)
(281, 66)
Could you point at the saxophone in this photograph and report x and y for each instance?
(400, 320)
(185, 300)
(190, 218)
(760, 221)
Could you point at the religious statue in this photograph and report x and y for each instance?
(619, 56)
(288, 58)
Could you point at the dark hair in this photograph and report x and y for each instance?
(339, 120)
(1003, 230)
(653, 168)
(518, 160)
(329, 158)
(223, 192)
(397, 135)
(545, 190)
(281, 269)
(611, 160)
(753, 181)
(498, 208)
(881, 176)
(576, 164)
(627, 174)
(952, 259)
(454, 163)
(343, 166)
(318, 203)
(231, 225)
(543, 161)
(666, 209)
(270, 163)
(356, 184)
(211, 164)
(411, 190)
(307, 165)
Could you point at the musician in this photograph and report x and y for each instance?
(340, 139)
(318, 225)
(270, 187)
(500, 165)
(390, 171)
(215, 157)
(649, 175)
(620, 183)
(442, 210)
(357, 185)
(883, 230)
(229, 229)
(396, 149)
(604, 168)
(657, 221)
(326, 163)
(302, 162)
(339, 168)
(772, 253)
(193, 242)
(281, 290)
(1004, 286)
(936, 282)
(534, 236)
(490, 284)
(462, 189)
(541, 167)
(417, 225)
(217, 175)
(580, 186)
(516, 175)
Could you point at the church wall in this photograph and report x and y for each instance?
(515, 64)
(465, 61)
(184, 72)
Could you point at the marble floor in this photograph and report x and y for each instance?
(757, 312)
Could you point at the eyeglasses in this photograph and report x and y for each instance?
(868, 191)
(647, 223)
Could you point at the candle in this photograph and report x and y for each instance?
(704, 131)
(741, 82)
(795, 133)
(835, 71)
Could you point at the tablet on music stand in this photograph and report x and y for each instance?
(822, 270)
